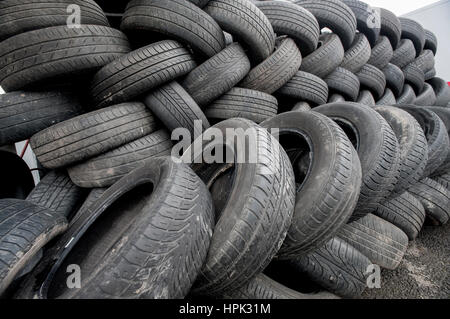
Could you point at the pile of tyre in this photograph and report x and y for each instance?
(359, 163)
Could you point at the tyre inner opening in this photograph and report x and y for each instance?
(101, 241)
(300, 153)
(350, 131)
(219, 178)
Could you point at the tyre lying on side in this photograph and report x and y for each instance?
(177, 19)
(217, 75)
(377, 148)
(92, 134)
(20, 16)
(405, 211)
(328, 178)
(152, 229)
(23, 114)
(57, 55)
(435, 198)
(294, 21)
(107, 168)
(337, 267)
(383, 243)
(244, 103)
(131, 76)
(263, 287)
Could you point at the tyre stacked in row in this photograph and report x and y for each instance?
(141, 224)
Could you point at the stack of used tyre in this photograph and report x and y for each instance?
(350, 124)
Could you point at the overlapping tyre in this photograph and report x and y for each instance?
(257, 211)
(377, 147)
(158, 234)
(328, 178)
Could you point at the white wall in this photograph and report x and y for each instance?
(436, 18)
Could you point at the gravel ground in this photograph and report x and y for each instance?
(425, 271)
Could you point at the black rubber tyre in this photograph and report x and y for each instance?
(328, 177)
(382, 53)
(444, 180)
(444, 115)
(107, 168)
(368, 20)
(24, 229)
(427, 97)
(159, 213)
(23, 114)
(19, 16)
(255, 218)
(306, 87)
(390, 27)
(335, 97)
(263, 288)
(343, 82)
(431, 41)
(373, 79)
(217, 75)
(128, 78)
(406, 212)
(441, 90)
(334, 15)
(276, 70)
(414, 31)
(408, 95)
(294, 21)
(302, 107)
(380, 241)
(388, 98)
(245, 103)
(326, 58)
(425, 61)
(366, 98)
(247, 24)
(395, 79)
(358, 54)
(435, 198)
(173, 106)
(414, 76)
(58, 54)
(404, 54)
(430, 74)
(91, 134)
(413, 146)
(377, 148)
(177, 19)
(436, 135)
(337, 267)
(57, 193)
